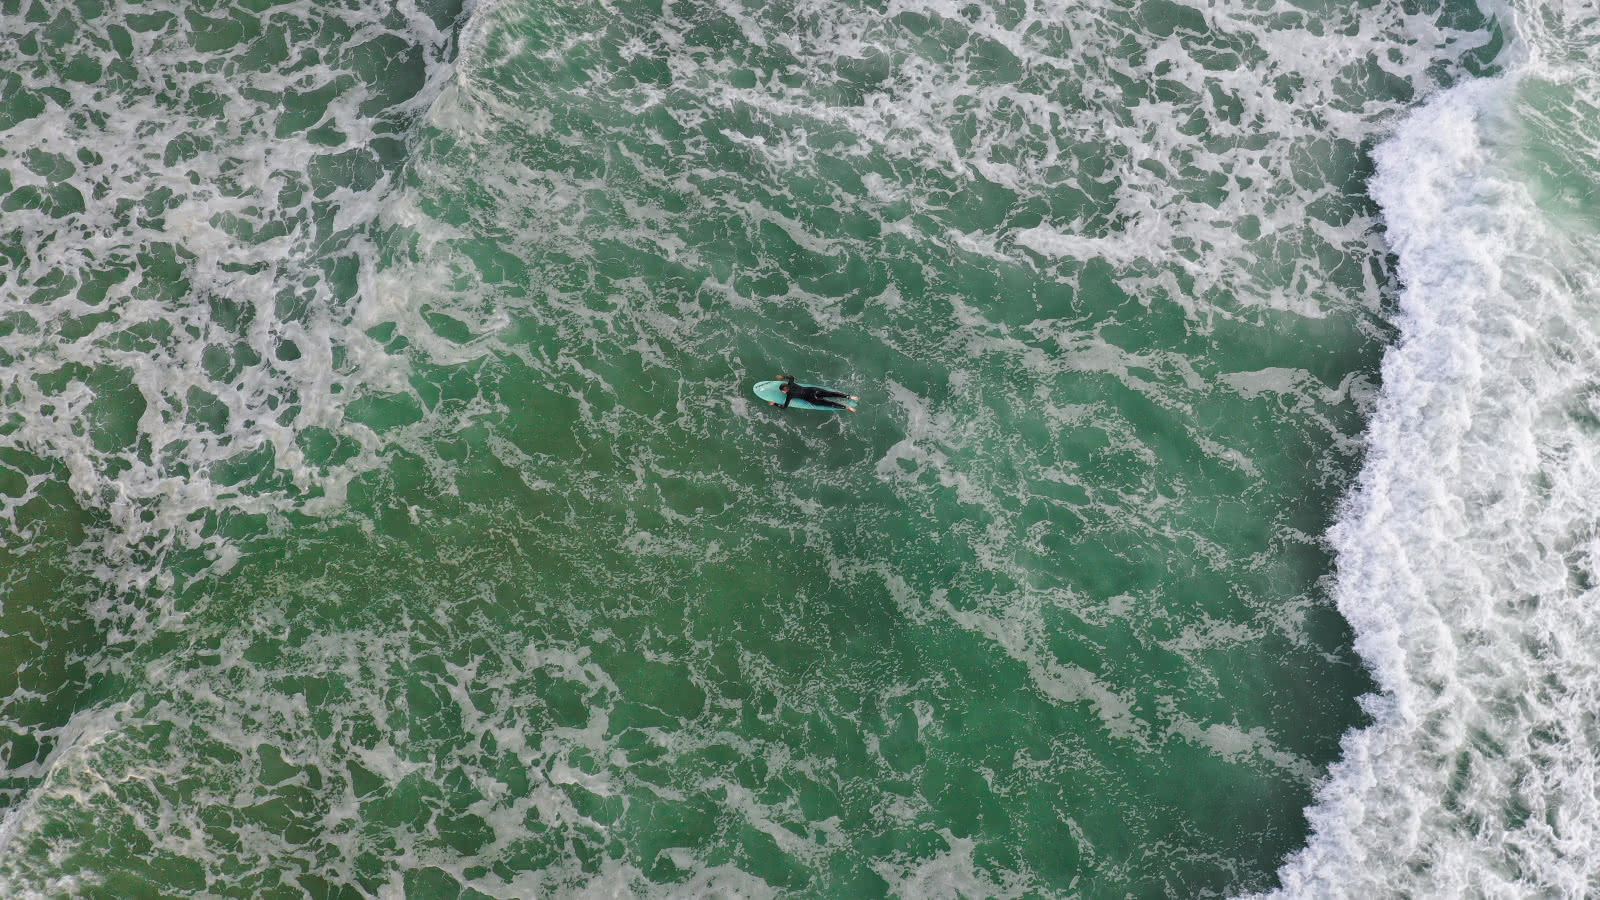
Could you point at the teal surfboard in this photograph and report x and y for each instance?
(768, 391)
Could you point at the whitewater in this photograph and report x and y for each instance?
(1468, 551)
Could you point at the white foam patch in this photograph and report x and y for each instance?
(1063, 682)
(720, 882)
(951, 875)
(206, 231)
(1121, 250)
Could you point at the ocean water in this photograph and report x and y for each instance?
(384, 511)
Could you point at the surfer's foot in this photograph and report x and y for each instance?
(854, 397)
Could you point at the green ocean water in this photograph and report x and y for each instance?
(387, 513)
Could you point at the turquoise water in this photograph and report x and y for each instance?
(387, 512)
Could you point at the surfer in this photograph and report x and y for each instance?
(819, 396)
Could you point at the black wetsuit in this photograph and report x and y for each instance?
(819, 396)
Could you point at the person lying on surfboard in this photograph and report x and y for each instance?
(817, 395)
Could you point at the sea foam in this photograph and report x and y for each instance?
(1468, 552)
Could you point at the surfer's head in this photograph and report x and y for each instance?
(784, 387)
